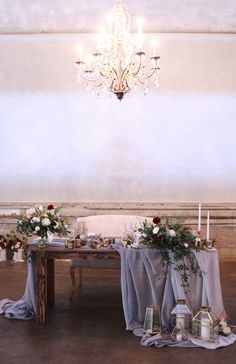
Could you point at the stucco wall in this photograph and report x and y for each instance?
(59, 143)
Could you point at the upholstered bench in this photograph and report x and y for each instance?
(108, 226)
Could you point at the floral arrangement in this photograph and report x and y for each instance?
(14, 242)
(11, 243)
(224, 329)
(43, 222)
(175, 242)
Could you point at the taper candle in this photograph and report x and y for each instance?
(208, 226)
(199, 217)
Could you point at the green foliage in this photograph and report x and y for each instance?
(176, 243)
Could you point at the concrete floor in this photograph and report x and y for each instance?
(92, 329)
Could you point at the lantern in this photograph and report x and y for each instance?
(152, 321)
(205, 325)
(181, 320)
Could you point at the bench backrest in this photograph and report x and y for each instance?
(110, 225)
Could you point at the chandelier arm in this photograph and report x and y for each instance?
(89, 79)
(134, 74)
(148, 77)
(127, 71)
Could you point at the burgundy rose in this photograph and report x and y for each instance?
(154, 236)
(50, 207)
(156, 220)
(170, 227)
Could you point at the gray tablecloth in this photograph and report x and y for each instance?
(143, 283)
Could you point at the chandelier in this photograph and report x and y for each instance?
(119, 64)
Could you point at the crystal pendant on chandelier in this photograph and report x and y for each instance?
(119, 63)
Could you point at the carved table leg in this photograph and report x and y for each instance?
(41, 286)
(50, 282)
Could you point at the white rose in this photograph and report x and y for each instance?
(156, 230)
(226, 330)
(40, 208)
(37, 229)
(29, 213)
(46, 221)
(223, 323)
(36, 219)
(172, 233)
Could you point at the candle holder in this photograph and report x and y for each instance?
(209, 244)
(77, 243)
(181, 320)
(152, 321)
(198, 241)
(70, 244)
(205, 325)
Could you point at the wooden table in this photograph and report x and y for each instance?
(45, 270)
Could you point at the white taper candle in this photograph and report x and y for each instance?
(208, 226)
(199, 217)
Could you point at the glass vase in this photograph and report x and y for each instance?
(42, 243)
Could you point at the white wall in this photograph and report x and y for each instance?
(58, 143)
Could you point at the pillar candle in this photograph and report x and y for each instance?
(205, 329)
(179, 337)
(180, 321)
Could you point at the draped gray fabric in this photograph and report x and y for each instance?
(26, 307)
(144, 283)
(160, 341)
